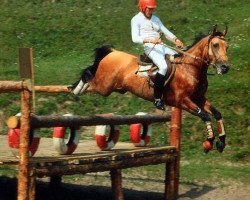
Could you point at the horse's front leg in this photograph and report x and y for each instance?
(194, 109)
(220, 144)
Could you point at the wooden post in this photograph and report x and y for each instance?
(116, 182)
(170, 181)
(23, 174)
(173, 169)
(26, 71)
(32, 184)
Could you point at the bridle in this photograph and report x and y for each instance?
(213, 52)
(206, 60)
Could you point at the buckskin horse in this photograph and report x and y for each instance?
(115, 71)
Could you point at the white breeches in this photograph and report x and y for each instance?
(157, 54)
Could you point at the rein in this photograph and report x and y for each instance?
(191, 55)
(183, 52)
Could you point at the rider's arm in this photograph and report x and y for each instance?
(171, 37)
(135, 31)
(168, 34)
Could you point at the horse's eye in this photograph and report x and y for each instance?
(216, 45)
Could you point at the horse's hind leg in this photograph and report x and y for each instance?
(79, 87)
(221, 143)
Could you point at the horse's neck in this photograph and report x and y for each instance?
(200, 51)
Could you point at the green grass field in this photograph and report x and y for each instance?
(63, 34)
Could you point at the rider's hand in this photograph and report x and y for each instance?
(179, 43)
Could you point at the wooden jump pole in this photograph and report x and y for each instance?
(11, 86)
(75, 121)
(23, 172)
(26, 74)
(18, 86)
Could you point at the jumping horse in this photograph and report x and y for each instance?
(115, 71)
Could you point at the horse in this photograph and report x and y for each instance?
(115, 71)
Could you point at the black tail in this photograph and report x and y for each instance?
(100, 53)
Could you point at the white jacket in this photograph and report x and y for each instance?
(142, 28)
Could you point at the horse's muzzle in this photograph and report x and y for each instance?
(222, 67)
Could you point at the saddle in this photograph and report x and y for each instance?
(146, 67)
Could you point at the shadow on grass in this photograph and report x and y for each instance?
(8, 191)
(195, 191)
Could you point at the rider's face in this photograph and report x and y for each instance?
(149, 12)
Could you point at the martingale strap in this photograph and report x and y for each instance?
(172, 71)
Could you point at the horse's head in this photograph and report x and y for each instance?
(217, 51)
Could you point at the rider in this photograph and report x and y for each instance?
(146, 29)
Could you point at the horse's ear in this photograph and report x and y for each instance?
(225, 32)
(214, 31)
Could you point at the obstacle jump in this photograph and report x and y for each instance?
(30, 168)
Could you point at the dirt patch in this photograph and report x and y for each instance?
(93, 187)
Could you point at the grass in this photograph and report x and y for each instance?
(64, 33)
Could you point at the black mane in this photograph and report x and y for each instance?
(99, 54)
(200, 36)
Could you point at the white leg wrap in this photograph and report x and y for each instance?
(78, 88)
(210, 133)
(221, 128)
(84, 88)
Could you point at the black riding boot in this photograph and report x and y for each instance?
(158, 90)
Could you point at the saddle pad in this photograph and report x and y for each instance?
(144, 68)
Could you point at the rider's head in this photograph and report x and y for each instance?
(143, 4)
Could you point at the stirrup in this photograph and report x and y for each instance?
(159, 104)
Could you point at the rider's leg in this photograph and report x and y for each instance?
(157, 55)
(158, 90)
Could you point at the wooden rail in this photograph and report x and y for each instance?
(75, 121)
(18, 86)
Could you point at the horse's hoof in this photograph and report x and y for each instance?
(220, 146)
(207, 145)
